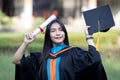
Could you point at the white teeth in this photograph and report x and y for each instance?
(58, 37)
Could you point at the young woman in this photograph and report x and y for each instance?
(59, 61)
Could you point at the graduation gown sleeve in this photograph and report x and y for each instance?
(29, 67)
(88, 64)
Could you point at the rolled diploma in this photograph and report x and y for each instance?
(44, 24)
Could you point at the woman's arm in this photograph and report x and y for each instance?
(89, 38)
(21, 50)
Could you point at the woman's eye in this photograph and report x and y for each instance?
(52, 31)
(61, 29)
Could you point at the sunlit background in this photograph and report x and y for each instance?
(20, 16)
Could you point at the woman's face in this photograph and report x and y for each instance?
(57, 35)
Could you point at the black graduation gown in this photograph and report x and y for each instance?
(75, 64)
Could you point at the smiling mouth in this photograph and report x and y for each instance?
(58, 37)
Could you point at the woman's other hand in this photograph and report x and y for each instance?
(29, 38)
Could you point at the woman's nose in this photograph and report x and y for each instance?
(57, 32)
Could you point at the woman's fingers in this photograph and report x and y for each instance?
(29, 35)
(88, 26)
(86, 30)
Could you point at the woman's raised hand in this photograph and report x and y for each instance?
(89, 37)
(29, 38)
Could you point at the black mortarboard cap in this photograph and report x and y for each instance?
(100, 19)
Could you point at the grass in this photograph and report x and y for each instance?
(112, 68)
(7, 69)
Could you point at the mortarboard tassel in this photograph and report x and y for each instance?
(98, 41)
(98, 37)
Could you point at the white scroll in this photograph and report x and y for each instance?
(44, 24)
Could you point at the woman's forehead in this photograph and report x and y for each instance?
(55, 25)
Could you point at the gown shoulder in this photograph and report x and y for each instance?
(28, 67)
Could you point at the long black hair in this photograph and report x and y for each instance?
(47, 40)
(48, 43)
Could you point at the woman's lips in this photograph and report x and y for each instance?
(58, 37)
